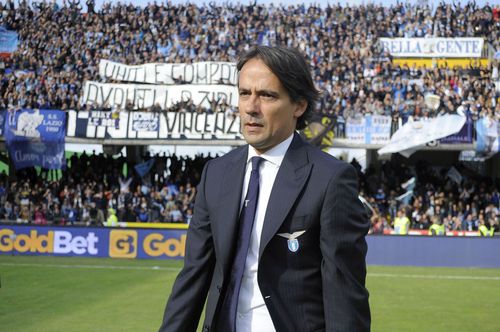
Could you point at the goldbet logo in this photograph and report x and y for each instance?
(56, 242)
(156, 245)
(123, 244)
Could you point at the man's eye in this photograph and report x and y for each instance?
(244, 93)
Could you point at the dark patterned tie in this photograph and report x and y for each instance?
(227, 316)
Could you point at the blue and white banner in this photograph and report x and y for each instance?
(370, 129)
(48, 155)
(433, 47)
(8, 41)
(145, 121)
(152, 125)
(413, 135)
(35, 125)
(36, 138)
(104, 119)
(464, 136)
(488, 137)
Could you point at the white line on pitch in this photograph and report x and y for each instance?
(125, 267)
(110, 267)
(432, 276)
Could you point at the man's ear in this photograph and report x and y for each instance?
(300, 108)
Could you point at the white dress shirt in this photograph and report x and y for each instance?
(252, 315)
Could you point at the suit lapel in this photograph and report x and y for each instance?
(232, 185)
(290, 180)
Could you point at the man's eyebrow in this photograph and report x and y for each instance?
(268, 92)
(261, 91)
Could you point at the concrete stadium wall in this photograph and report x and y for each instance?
(433, 251)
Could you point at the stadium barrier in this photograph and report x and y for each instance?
(170, 244)
(433, 251)
(92, 242)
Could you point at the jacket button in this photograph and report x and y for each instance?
(219, 287)
(206, 328)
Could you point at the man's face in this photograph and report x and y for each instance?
(268, 116)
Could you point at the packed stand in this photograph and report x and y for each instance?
(460, 203)
(166, 194)
(61, 46)
(82, 196)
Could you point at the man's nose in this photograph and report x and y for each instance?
(252, 105)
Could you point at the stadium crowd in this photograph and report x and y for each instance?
(61, 45)
(166, 193)
(458, 197)
(83, 196)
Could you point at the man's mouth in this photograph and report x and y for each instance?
(254, 124)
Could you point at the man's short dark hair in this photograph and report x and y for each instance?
(292, 70)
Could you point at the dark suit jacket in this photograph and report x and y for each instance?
(321, 286)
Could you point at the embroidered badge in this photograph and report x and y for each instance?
(292, 242)
(293, 245)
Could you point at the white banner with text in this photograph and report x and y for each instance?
(433, 47)
(144, 96)
(171, 73)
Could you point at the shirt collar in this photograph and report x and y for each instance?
(274, 155)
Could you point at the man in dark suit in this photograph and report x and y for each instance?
(277, 240)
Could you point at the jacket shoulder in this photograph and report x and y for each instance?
(326, 162)
(231, 156)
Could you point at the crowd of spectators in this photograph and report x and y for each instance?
(460, 203)
(166, 193)
(61, 45)
(83, 196)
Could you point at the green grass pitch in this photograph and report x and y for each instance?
(87, 294)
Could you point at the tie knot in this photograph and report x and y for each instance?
(256, 162)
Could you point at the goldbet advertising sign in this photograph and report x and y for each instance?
(146, 244)
(92, 242)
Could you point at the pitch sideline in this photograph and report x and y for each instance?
(159, 268)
